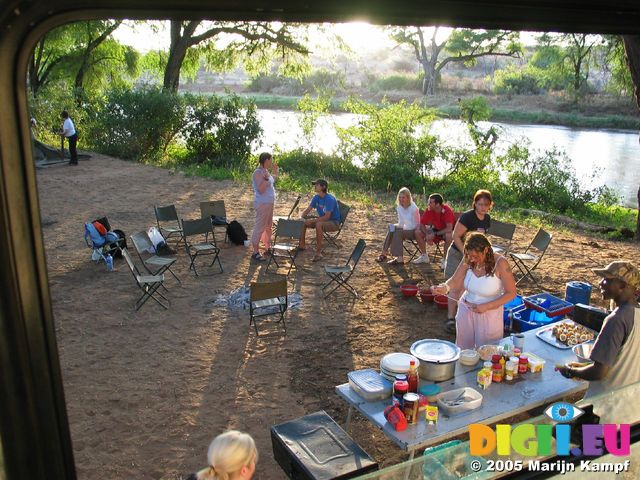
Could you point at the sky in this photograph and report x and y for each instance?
(360, 36)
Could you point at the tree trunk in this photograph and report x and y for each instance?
(632, 55)
(430, 77)
(638, 221)
(177, 54)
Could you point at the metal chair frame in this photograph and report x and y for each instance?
(540, 242)
(168, 213)
(142, 243)
(201, 226)
(288, 229)
(341, 274)
(216, 208)
(149, 284)
(332, 237)
(266, 295)
(504, 231)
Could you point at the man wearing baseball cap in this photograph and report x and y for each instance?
(616, 352)
(328, 219)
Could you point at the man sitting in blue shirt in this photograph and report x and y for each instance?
(328, 219)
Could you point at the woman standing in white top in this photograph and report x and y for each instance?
(265, 197)
(408, 221)
(488, 284)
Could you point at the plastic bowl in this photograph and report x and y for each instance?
(426, 295)
(469, 357)
(487, 351)
(409, 290)
(441, 301)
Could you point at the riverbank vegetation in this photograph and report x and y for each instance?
(132, 107)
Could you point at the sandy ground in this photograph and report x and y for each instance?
(147, 391)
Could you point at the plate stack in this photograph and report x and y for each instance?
(394, 364)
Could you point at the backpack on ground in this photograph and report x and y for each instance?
(236, 233)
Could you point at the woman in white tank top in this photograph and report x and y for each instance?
(488, 284)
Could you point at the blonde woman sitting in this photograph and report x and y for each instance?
(232, 456)
(405, 229)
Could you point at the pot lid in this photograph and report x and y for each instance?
(435, 351)
(397, 362)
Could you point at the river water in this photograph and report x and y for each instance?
(599, 157)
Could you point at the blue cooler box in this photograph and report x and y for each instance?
(528, 319)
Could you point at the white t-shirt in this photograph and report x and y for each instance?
(408, 218)
(68, 128)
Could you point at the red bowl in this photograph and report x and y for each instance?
(426, 295)
(441, 301)
(409, 290)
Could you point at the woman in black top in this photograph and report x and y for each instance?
(475, 220)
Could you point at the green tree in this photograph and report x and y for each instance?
(461, 45)
(311, 110)
(256, 43)
(620, 82)
(578, 55)
(83, 55)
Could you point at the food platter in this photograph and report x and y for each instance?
(547, 334)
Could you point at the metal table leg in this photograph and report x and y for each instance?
(347, 426)
(408, 469)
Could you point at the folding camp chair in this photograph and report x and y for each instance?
(332, 237)
(215, 208)
(153, 264)
(290, 231)
(410, 246)
(200, 228)
(527, 261)
(342, 274)
(149, 284)
(168, 214)
(291, 212)
(270, 299)
(109, 245)
(439, 250)
(505, 232)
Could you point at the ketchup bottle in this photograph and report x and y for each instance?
(412, 377)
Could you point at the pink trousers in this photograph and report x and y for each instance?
(264, 224)
(476, 329)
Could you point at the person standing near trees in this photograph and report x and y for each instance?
(475, 220)
(265, 196)
(69, 131)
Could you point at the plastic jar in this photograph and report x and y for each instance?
(497, 373)
(510, 371)
(523, 365)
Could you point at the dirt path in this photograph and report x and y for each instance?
(147, 391)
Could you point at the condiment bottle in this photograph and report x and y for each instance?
(515, 361)
(523, 365)
(495, 360)
(412, 377)
(510, 371)
(503, 362)
(497, 373)
(516, 352)
(400, 388)
(484, 377)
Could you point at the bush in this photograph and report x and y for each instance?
(220, 131)
(395, 82)
(138, 124)
(391, 141)
(542, 180)
(320, 79)
(518, 81)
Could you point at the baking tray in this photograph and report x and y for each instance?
(546, 335)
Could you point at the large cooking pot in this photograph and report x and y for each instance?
(437, 359)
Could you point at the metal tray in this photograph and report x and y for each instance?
(546, 335)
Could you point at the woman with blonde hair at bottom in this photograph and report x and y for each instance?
(232, 456)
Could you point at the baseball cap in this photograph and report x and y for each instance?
(321, 182)
(625, 271)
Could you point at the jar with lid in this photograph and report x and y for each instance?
(515, 361)
(523, 365)
(400, 388)
(497, 373)
(510, 371)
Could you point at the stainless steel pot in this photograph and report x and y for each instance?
(437, 359)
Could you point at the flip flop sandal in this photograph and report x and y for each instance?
(381, 258)
(395, 261)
